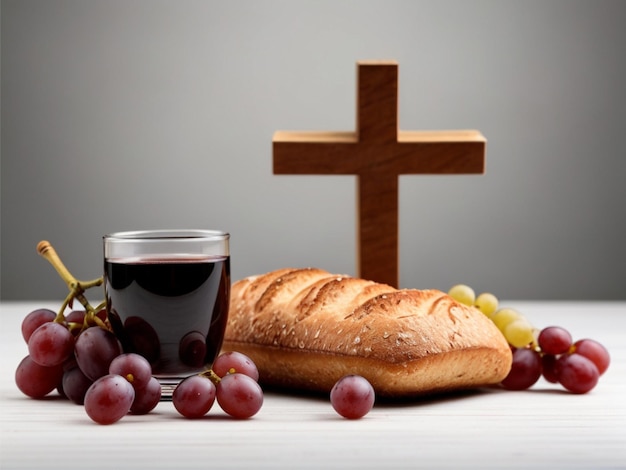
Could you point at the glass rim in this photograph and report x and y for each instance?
(167, 235)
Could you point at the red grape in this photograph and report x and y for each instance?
(133, 367)
(34, 320)
(239, 395)
(75, 385)
(147, 398)
(194, 396)
(548, 368)
(525, 370)
(78, 316)
(352, 396)
(109, 399)
(554, 340)
(75, 316)
(232, 361)
(595, 352)
(50, 344)
(35, 380)
(577, 373)
(95, 349)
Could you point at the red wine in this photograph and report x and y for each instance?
(171, 311)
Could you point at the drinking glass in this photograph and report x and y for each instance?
(168, 294)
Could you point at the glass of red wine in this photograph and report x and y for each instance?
(168, 293)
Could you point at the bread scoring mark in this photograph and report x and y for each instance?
(458, 313)
(435, 305)
(451, 315)
(289, 282)
(371, 305)
(318, 295)
(252, 288)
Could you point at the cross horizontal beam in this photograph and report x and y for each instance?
(377, 153)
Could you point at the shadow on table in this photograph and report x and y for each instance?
(424, 399)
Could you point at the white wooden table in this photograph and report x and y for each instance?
(489, 429)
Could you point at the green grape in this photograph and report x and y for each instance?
(519, 333)
(486, 303)
(463, 294)
(503, 317)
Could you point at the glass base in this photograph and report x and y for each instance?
(169, 382)
(167, 387)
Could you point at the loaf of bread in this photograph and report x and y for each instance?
(306, 328)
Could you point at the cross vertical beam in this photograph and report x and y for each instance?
(377, 153)
(377, 227)
(377, 103)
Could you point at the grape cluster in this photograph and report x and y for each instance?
(80, 357)
(233, 381)
(549, 352)
(88, 366)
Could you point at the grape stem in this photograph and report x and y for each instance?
(77, 288)
(212, 376)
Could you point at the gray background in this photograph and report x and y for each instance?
(151, 114)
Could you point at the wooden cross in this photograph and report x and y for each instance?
(377, 153)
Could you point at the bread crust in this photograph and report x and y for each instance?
(306, 328)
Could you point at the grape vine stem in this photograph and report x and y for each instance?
(77, 288)
(212, 376)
